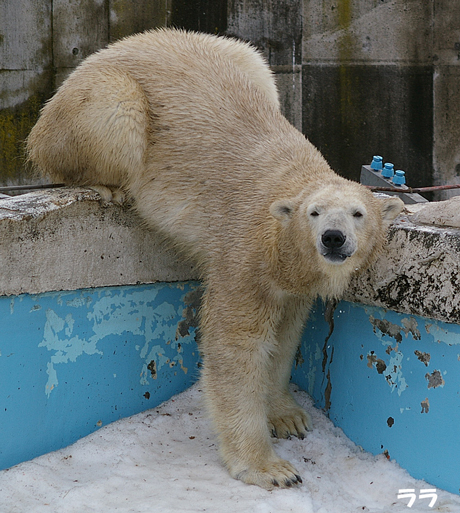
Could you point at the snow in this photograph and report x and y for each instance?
(166, 460)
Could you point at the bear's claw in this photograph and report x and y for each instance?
(293, 421)
(288, 483)
(277, 474)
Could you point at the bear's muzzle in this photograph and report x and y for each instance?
(333, 247)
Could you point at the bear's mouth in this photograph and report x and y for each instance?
(334, 246)
(334, 257)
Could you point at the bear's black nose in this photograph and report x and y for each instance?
(333, 239)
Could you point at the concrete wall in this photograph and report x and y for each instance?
(419, 272)
(391, 382)
(42, 41)
(446, 90)
(359, 77)
(367, 77)
(67, 239)
(73, 361)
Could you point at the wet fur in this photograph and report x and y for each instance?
(189, 126)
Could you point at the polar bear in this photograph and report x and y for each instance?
(189, 126)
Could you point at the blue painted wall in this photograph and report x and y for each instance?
(392, 383)
(73, 361)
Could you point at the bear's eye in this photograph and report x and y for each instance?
(358, 214)
(314, 213)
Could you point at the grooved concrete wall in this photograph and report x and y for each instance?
(376, 77)
(359, 77)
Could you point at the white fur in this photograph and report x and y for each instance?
(189, 126)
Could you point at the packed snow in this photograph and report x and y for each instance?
(166, 460)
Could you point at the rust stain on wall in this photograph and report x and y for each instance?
(152, 367)
(435, 379)
(423, 357)
(387, 328)
(190, 313)
(425, 405)
(299, 359)
(380, 365)
(409, 325)
(329, 317)
(328, 391)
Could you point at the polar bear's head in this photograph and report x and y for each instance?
(337, 228)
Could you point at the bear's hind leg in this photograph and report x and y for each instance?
(285, 416)
(94, 131)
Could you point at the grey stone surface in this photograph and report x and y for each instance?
(358, 31)
(66, 239)
(446, 158)
(418, 273)
(25, 29)
(439, 213)
(79, 29)
(289, 83)
(355, 111)
(274, 27)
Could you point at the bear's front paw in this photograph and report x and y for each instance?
(290, 420)
(272, 474)
(109, 194)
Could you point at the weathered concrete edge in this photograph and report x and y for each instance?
(418, 273)
(67, 239)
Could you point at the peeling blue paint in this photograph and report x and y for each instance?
(58, 339)
(72, 361)
(442, 334)
(113, 315)
(383, 365)
(395, 377)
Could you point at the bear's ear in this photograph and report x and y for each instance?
(391, 208)
(283, 210)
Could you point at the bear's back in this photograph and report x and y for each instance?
(168, 90)
(179, 55)
(183, 122)
(212, 127)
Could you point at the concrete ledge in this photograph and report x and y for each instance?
(419, 272)
(65, 239)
